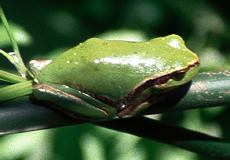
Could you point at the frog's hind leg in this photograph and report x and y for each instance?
(73, 105)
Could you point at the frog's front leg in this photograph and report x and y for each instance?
(74, 103)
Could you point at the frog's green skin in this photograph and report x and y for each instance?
(101, 79)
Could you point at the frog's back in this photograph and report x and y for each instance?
(114, 68)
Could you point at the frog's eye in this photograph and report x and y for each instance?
(162, 80)
(178, 75)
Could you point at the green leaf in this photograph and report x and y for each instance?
(15, 90)
(190, 140)
(10, 78)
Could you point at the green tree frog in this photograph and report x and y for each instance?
(102, 79)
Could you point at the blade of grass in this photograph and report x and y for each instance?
(10, 78)
(15, 90)
(16, 57)
(7, 56)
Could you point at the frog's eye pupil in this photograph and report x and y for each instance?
(162, 80)
(178, 76)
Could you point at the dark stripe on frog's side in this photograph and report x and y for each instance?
(156, 81)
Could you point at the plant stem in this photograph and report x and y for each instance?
(16, 57)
